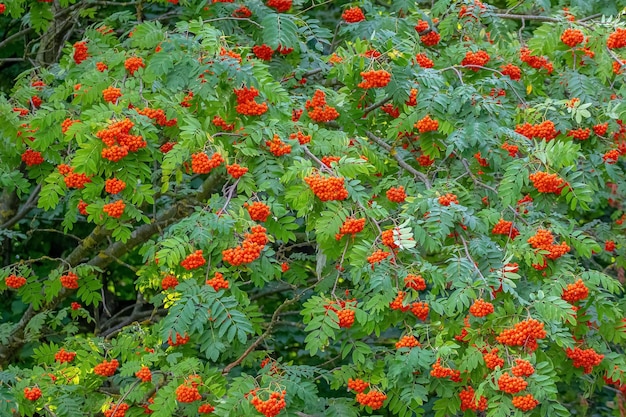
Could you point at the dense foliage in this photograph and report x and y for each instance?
(313, 209)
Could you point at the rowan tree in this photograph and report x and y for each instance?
(312, 208)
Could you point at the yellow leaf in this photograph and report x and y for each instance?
(529, 88)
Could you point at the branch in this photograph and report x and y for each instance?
(257, 342)
(526, 17)
(376, 105)
(176, 212)
(423, 178)
(30, 203)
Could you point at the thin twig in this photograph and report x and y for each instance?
(423, 178)
(376, 105)
(262, 337)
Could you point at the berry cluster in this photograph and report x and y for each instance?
(115, 209)
(609, 246)
(468, 400)
(522, 368)
(481, 161)
(423, 61)
(580, 133)
(544, 130)
(398, 302)
(535, 61)
(408, 341)
(357, 385)
(301, 137)
(447, 199)
(158, 115)
(373, 399)
(511, 149)
(278, 147)
(186, 393)
(616, 39)
(350, 226)
(65, 125)
(15, 282)
(543, 240)
(439, 371)
(412, 101)
(245, 102)
(374, 79)
(242, 13)
(106, 368)
(329, 159)
(475, 59)
(506, 228)
(193, 260)
(396, 194)
(420, 310)
(327, 188)
(258, 211)
(75, 306)
(101, 66)
(284, 267)
(133, 63)
(611, 157)
(525, 402)
(346, 317)
(202, 164)
(270, 407)
(207, 408)
(263, 52)
(617, 66)
(218, 282)
(186, 102)
(167, 146)
(169, 281)
(3, 8)
(547, 183)
(32, 394)
(575, 292)
(221, 123)
(318, 110)
(492, 360)
(425, 160)
(391, 110)
(601, 128)
(415, 282)
(481, 308)
(119, 141)
(353, 15)
(572, 37)
(513, 71)
(114, 186)
(116, 410)
(422, 26)
(426, 124)
(111, 94)
(280, 6)
(388, 239)
(144, 374)
(62, 356)
(69, 281)
(180, 340)
(249, 250)
(377, 256)
(31, 157)
(80, 52)
(236, 170)
(511, 384)
(524, 333)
